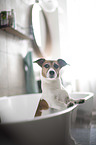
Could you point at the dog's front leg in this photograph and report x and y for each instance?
(80, 101)
(70, 102)
(65, 102)
(62, 98)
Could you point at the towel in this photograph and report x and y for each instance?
(31, 84)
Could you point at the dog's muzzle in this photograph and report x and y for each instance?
(51, 73)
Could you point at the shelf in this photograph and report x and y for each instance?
(14, 32)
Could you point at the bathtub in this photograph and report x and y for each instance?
(18, 125)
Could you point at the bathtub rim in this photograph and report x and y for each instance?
(48, 115)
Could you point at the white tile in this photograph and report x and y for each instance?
(3, 41)
(12, 48)
(3, 70)
(11, 44)
(16, 91)
(16, 74)
(2, 5)
(16, 46)
(3, 92)
(8, 5)
(22, 15)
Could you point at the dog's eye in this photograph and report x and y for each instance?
(46, 65)
(56, 66)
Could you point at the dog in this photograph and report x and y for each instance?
(53, 93)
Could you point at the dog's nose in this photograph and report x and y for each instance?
(51, 72)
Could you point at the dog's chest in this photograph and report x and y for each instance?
(52, 92)
(50, 88)
(49, 95)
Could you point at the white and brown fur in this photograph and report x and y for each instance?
(53, 93)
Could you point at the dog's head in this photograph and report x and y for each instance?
(50, 69)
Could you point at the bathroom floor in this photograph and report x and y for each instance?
(93, 130)
(85, 136)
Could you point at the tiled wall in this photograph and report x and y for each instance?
(12, 51)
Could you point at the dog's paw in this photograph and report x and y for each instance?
(81, 101)
(70, 104)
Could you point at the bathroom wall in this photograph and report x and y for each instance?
(12, 51)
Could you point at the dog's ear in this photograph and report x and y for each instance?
(40, 61)
(61, 63)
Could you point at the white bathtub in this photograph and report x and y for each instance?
(19, 125)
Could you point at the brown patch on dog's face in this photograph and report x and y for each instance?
(50, 69)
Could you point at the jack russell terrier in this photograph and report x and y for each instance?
(53, 93)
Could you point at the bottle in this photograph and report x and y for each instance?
(12, 18)
(9, 18)
(3, 18)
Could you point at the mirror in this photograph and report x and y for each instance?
(40, 31)
(45, 28)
